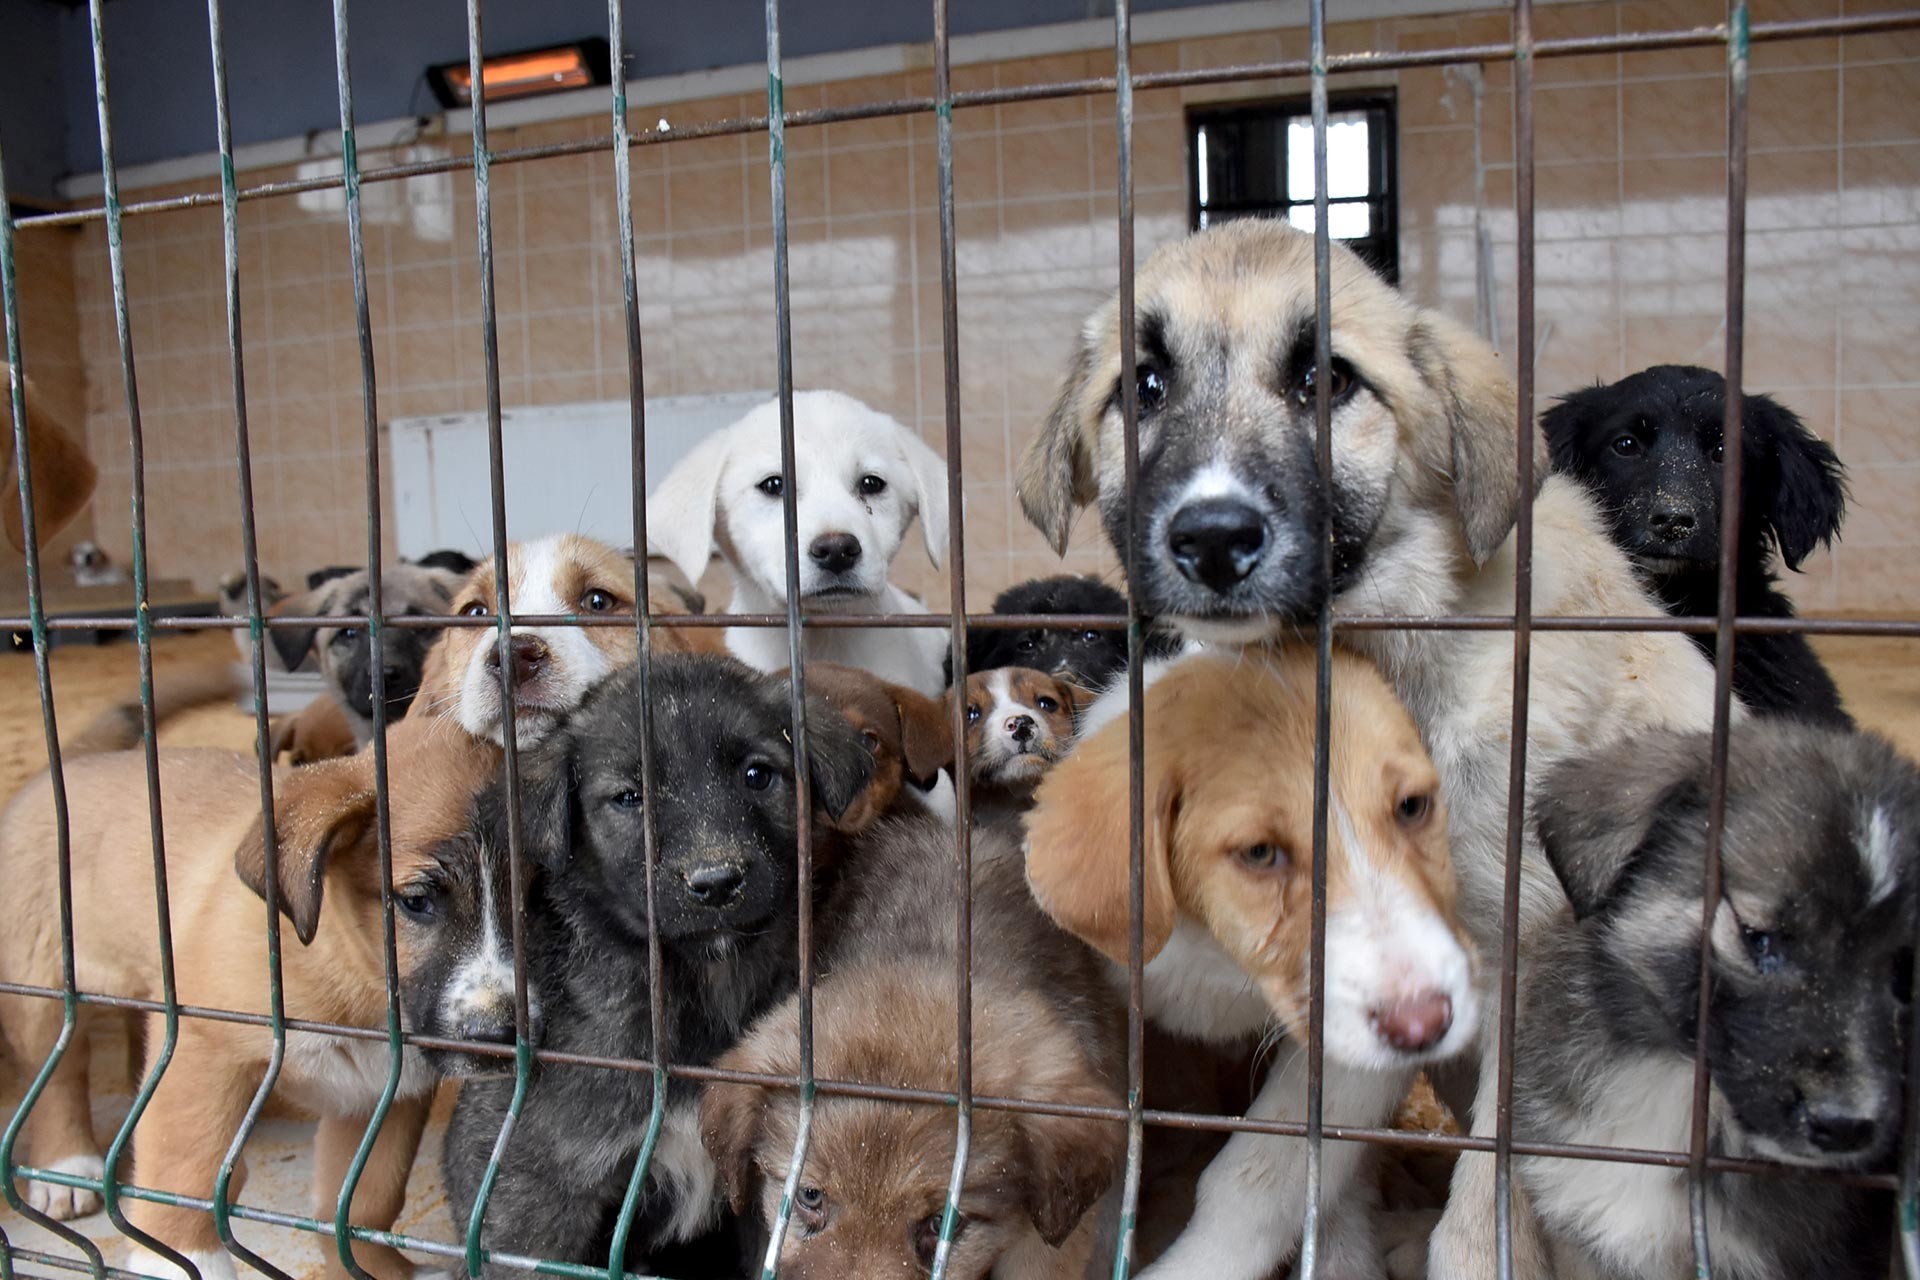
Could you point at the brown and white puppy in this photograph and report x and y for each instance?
(553, 666)
(344, 653)
(1019, 721)
(1227, 848)
(1046, 1026)
(910, 735)
(1425, 491)
(332, 965)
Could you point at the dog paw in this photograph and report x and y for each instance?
(65, 1203)
(215, 1264)
(1404, 1237)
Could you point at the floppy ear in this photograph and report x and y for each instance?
(839, 766)
(292, 644)
(1070, 1163)
(1056, 472)
(926, 733)
(1077, 697)
(1565, 427)
(63, 474)
(731, 1115)
(320, 814)
(1595, 817)
(546, 801)
(1473, 442)
(681, 511)
(1810, 488)
(1077, 846)
(929, 474)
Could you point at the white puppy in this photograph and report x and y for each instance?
(860, 478)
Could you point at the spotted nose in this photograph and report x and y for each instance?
(1020, 728)
(1672, 525)
(835, 552)
(1414, 1023)
(1216, 542)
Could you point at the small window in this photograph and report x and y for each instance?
(1257, 162)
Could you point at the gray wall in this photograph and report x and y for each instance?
(33, 129)
(281, 71)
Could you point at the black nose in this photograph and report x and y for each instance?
(484, 1031)
(1021, 727)
(715, 885)
(1672, 525)
(1216, 541)
(1840, 1133)
(529, 658)
(835, 552)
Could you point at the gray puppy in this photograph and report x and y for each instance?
(1812, 964)
(343, 654)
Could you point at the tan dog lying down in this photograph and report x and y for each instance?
(332, 960)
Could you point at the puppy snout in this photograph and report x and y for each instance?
(529, 656)
(716, 884)
(1672, 525)
(835, 552)
(1841, 1132)
(486, 1029)
(1416, 1022)
(1020, 728)
(1217, 542)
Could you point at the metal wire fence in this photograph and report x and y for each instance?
(1737, 36)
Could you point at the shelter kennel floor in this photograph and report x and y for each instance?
(1879, 679)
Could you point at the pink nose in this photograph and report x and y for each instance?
(1415, 1022)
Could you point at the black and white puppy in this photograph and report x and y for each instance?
(1649, 446)
(1087, 656)
(725, 879)
(1812, 963)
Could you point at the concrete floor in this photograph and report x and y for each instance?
(1880, 680)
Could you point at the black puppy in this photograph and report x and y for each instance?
(725, 881)
(1649, 446)
(1811, 951)
(1087, 656)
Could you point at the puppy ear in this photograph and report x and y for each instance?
(926, 733)
(292, 644)
(681, 512)
(1596, 817)
(1565, 425)
(929, 474)
(839, 766)
(1056, 472)
(1070, 1162)
(1473, 443)
(546, 800)
(1077, 845)
(732, 1115)
(63, 474)
(1810, 490)
(321, 814)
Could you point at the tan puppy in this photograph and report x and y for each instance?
(1228, 838)
(332, 961)
(1046, 1026)
(553, 666)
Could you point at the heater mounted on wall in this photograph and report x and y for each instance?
(525, 74)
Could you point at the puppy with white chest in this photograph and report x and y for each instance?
(860, 478)
(1227, 859)
(1019, 723)
(1812, 970)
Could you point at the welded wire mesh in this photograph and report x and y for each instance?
(1736, 36)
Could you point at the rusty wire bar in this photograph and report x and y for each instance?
(162, 1057)
(1728, 602)
(1523, 199)
(263, 733)
(956, 640)
(370, 441)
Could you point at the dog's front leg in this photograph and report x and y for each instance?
(1465, 1245)
(1251, 1204)
(382, 1189)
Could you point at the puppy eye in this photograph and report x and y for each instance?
(474, 609)
(1627, 446)
(1341, 385)
(926, 1236)
(628, 799)
(757, 776)
(1150, 389)
(346, 635)
(1046, 704)
(1413, 810)
(1089, 637)
(418, 902)
(1028, 642)
(973, 712)
(772, 486)
(1719, 450)
(870, 485)
(810, 1206)
(1264, 857)
(597, 601)
(1769, 956)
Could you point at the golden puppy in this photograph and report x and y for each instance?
(553, 666)
(1227, 860)
(332, 962)
(1046, 1026)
